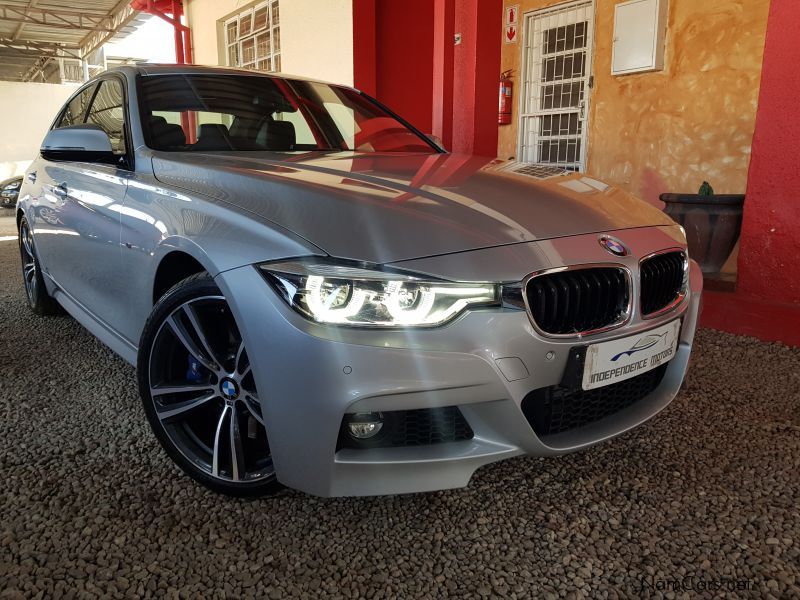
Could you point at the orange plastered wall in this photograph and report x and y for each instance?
(669, 130)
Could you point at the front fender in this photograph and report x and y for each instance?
(182, 244)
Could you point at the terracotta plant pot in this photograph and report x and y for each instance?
(712, 225)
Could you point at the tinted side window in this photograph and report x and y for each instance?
(76, 109)
(108, 113)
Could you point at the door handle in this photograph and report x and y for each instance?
(32, 177)
(61, 190)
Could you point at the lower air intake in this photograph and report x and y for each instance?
(555, 409)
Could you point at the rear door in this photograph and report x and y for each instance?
(83, 203)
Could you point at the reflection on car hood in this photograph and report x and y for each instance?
(389, 207)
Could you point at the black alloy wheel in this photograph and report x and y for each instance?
(199, 393)
(39, 300)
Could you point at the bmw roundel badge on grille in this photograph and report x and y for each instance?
(613, 246)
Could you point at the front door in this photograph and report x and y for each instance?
(78, 224)
(556, 65)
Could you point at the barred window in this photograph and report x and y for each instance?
(253, 38)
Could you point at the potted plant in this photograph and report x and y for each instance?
(712, 223)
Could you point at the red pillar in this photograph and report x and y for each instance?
(443, 32)
(476, 73)
(769, 257)
(180, 55)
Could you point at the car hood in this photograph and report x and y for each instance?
(389, 207)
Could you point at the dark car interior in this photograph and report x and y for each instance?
(211, 113)
(244, 134)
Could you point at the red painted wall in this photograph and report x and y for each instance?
(393, 56)
(769, 257)
(364, 49)
(403, 55)
(405, 59)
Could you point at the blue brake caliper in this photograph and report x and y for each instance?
(193, 372)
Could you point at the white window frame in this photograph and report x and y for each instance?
(259, 58)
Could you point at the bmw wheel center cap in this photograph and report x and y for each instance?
(229, 389)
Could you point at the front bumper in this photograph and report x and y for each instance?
(309, 376)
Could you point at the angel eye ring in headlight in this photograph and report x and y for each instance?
(344, 295)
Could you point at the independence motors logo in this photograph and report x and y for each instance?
(645, 343)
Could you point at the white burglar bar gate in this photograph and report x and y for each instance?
(556, 73)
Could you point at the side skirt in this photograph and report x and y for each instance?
(99, 329)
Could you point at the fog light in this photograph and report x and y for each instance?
(363, 426)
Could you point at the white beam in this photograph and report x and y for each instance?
(21, 26)
(53, 18)
(40, 48)
(120, 16)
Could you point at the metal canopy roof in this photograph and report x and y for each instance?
(34, 33)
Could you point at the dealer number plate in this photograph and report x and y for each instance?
(618, 360)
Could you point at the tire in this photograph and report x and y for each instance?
(199, 394)
(39, 300)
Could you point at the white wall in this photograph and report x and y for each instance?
(316, 35)
(317, 39)
(26, 111)
(202, 17)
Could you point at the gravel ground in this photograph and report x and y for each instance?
(8, 225)
(90, 506)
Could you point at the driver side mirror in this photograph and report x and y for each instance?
(81, 143)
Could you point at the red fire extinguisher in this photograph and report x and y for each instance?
(506, 96)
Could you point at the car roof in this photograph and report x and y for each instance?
(152, 69)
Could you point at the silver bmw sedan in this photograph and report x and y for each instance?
(316, 295)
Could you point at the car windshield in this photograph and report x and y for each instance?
(207, 113)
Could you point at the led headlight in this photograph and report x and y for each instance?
(685, 280)
(339, 294)
(683, 235)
